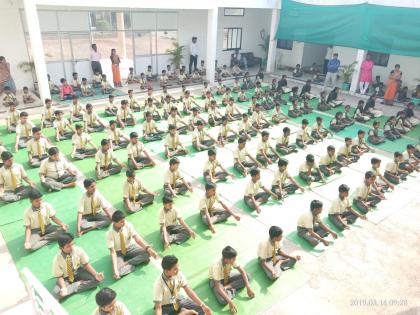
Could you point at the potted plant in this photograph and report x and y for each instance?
(177, 54)
(347, 73)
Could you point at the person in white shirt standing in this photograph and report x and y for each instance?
(95, 60)
(193, 54)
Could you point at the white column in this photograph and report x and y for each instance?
(272, 47)
(35, 38)
(212, 15)
(361, 54)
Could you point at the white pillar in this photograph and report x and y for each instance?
(212, 15)
(361, 54)
(35, 38)
(272, 47)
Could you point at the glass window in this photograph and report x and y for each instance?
(65, 44)
(80, 43)
(52, 47)
(379, 59)
(165, 40)
(142, 43)
(105, 41)
(285, 44)
(109, 20)
(232, 38)
(234, 12)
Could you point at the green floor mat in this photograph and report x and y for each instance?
(303, 244)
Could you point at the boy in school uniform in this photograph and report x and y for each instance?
(253, 197)
(309, 171)
(125, 116)
(163, 79)
(282, 144)
(72, 270)
(211, 173)
(242, 96)
(195, 117)
(150, 130)
(341, 213)
(272, 259)
(86, 88)
(258, 119)
(167, 297)
(243, 161)
(23, 131)
(232, 111)
(410, 161)
(81, 142)
(383, 185)
(76, 110)
(226, 96)
(131, 77)
(174, 182)
(11, 176)
(359, 144)
(175, 119)
(278, 117)
(9, 97)
(202, 68)
(328, 164)
(319, 132)
(118, 140)
(152, 109)
(55, 173)
(173, 146)
(93, 212)
(91, 120)
(66, 90)
(143, 81)
(226, 133)
(393, 171)
(12, 118)
(345, 154)
(149, 74)
(303, 138)
(48, 117)
(26, 97)
(97, 79)
(207, 93)
(75, 82)
(39, 231)
(311, 228)
(187, 102)
(104, 158)
(107, 302)
(127, 248)
(246, 129)
(136, 196)
(263, 150)
(224, 284)
(63, 129)
(173, 229)
(284, 184)
(110, 108)
(211, 214)
(215, 116)
(196, 77)
(37, 148)
(373, 134)
(201, 140)
(366, 198)
(182, 77)
(138, 156)
(106, 87)
(132, 102)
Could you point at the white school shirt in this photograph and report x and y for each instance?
(327, 159)
(280, 177)
(149, 127)
(392, 167)
(113, 236)
(61, 124)
(339, 206)
(119, 309)
(216, 270)
(130, 190)
(304, 167)
(303, 134)
(253, 188)
(135, 150)
(172, 142)
(6, 176)
(33, 147)
(362, 192)
(211, 166)
(124, 113)
(97, 200)
(91, 118)
(114, 135)
(307, 220)
(208, 202)
(78, 257)
(265, 249)
(172, 177)
(240, 154)
(283, 140)
(80, 141)
(53, 169)
(170, 217)
(161, 292)
(30, 217)
(104, 158)
(24, 130)
(263, 146)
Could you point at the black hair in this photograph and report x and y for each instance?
(52, 151)
(330, 148)
(88, 181)
(229, 252)
(168, 262)
(369, 174)
(134, 135)
(35, 129)
(282, 162)
(6, 155)
(375, 161)
(130, 173)
(117, 216)
(174, 161)
(34, 194)
(254, 172)
(210, 186)
(105, 296)
(211, 152)
(316, 204)
(310, 158)
(64, 239)
(275, 231)
(104, 141)
(167, 199)
(343, 188)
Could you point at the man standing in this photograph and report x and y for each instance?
(193, 54)
(6, 79)
(95, 60)
(332, 70)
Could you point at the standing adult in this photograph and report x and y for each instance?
(95, 60)
(193, 54)
(366, 74)
(5, 76)
(332, 70)
(115, 61)
(394, 81)
(327, 58)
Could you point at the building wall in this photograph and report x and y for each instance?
(292, 57)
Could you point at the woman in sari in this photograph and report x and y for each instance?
(394, 81)
(115, 61)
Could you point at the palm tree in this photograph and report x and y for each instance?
(177, 54)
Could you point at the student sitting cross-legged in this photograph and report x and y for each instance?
(345, 154)
(175, 119)
(410, 161)
(319, 132)
(37, 148)
(174, 183)
(253, 197)
(328, 164)
(110, 107)
(55, 173)
(23, 131)
(173, 229)
(341, 213)
(365, 198)
(127, 248)
(311, 228)
(273, 260)
(39, 231)
(226, 133)
(258, 119)
(303, 137)
(243, 161)
(309, 171)
(81, 141)
(150, 130)
(381, 184)
(107, 302)
(125, 116)
(117, 139)
(359, 144)
(284, 184)
(94, 212)
(138, 156)
(167, 296)
(214, 171)
(246, 129)
(266, 154)
(373, 134)
(104, 158)
(63, 129)
(72, 270)
(224, 284)
(91, 120)
(201, 140)
(136, 195)
(393, 171)
(210, 214)
(282, 144)
(173, 146)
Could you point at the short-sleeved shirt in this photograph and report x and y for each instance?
(170, 217)
(305, 168)
(113, 236)
(283, 140)
(264, 146)
(211, 166)
(230, 109)
(327, 159)
(85, 88)
(303, 134)
(198, 134)
(6, 176)
(245, 126)
(376, 171)
(339, 206)
(90, 119)
(130, 190)
(49, 112)
(149, 127)
(118, 309)
(345, 150)
(110, 105)
(252, 188)
(24, 130)
(31, 219)
(307, 220)
(80, 141)
(358, 141)
(208, 202)
(362, 192)
(94, 202)
(37, 147)
(78, 257)
(172, 177)
(172, 141)
(392, 167)
(280, 177)
(406, 156)
(124, 113)
(265, 249)
(53, 169)
(114, 135)
(213, 112)
(104, 158)
(216, 270)
(135, 150)
(174, 121)
(240, 155)
(75, 109)
(224, 130)
(150, 108)
(257, 117)
(162, 293)
(13, 116)
(61, 124)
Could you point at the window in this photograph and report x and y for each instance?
(232, 38)
(234, 12)
(285, 44)
(80, 44)
(52, 47)
(379, 59)
(142, 43)
(165, 40)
